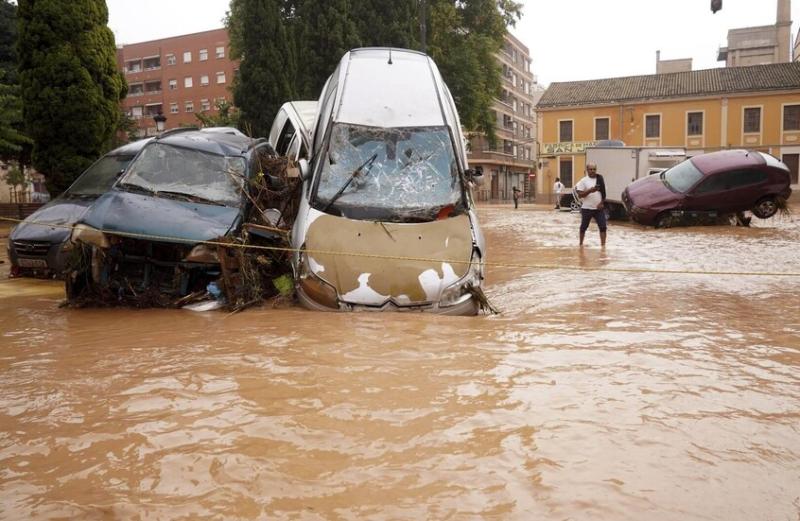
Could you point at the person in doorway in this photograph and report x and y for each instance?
(592, 191)
(557, 187)
(515, 194)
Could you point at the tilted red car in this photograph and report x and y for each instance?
(712, 184)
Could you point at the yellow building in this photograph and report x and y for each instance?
(755, 107)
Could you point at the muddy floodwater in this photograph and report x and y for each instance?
(603, 395)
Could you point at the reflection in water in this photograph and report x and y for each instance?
(595, 395)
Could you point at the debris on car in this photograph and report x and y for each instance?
(199, 221)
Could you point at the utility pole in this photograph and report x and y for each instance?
(423, 25)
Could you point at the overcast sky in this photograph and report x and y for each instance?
(569, 39)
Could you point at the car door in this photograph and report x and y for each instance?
(732, 191)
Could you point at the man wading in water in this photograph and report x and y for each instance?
(592, 191)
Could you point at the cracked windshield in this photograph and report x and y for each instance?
(180, 171)
(403, 171)
(408, 260)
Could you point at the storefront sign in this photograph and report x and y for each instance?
(570, 147)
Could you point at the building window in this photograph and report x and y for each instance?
(564, 131)
(171, 59)
(173, 84)
(204, 79)
(652, 126)
(220, 52)
(187, 57)
(694, 124)
(173, 108)
(203, 55)
(791, 117)
(508, 122)
(187, 82)
(189, 106)
(205, 105)
(601, 129)
(752, 119)
(136, 112)
(565, 170)
(220, 77)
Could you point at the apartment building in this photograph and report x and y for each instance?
(178, 77)
(510, 162)
(755, 107)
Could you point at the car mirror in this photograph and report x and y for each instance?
(305, 169)
(475, 175)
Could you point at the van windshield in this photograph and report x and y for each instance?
(162, 168)
(392, 174)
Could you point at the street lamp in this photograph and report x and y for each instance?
(160, 120)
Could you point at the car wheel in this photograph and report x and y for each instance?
(574, 205)
(664, 220)
(765, 208)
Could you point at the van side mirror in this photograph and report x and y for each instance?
(475, 175)
(305, 169)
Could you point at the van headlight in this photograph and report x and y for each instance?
(460, 291)
(314, 287)
(89, 235)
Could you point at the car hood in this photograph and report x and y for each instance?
(53, 221)
(651, 191)
(410, 266)
(156, 216)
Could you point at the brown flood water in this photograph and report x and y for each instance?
(602, 396)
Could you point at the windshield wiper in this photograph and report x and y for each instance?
(188, 197)
(366, 164)
(133, 187)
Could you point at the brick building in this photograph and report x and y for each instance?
(176, 76)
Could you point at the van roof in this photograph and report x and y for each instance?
(386, 87)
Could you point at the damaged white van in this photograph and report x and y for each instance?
(387, 221)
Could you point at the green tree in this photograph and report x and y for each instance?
(387, 24)
(71, 87)
(227, 116)
(8, 40)
(264, 81)
(327, 30)
(12, 141)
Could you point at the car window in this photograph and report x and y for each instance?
(682, 176)
(293, 149)
(165, 168)
(730, 180)
(285, 138)
(99, 177)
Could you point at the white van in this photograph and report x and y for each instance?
(386, 219)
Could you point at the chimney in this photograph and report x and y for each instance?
(784, 26)
(784, 12)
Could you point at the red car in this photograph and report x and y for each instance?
(710, 185)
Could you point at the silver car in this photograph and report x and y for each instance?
(387, 220)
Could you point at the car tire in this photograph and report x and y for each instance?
(574, 206)
(765, 208)
(664, 220)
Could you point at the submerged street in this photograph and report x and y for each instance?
(593, 395)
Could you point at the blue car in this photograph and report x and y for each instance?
(142, 242)
(39, 246)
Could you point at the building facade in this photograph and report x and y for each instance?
(511, 161)
(756, 107)
(177, 76)
(760, 45)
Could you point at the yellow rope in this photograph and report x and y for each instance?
(421, 259)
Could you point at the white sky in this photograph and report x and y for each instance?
(569, 39)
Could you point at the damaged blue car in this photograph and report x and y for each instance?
(145, 241)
